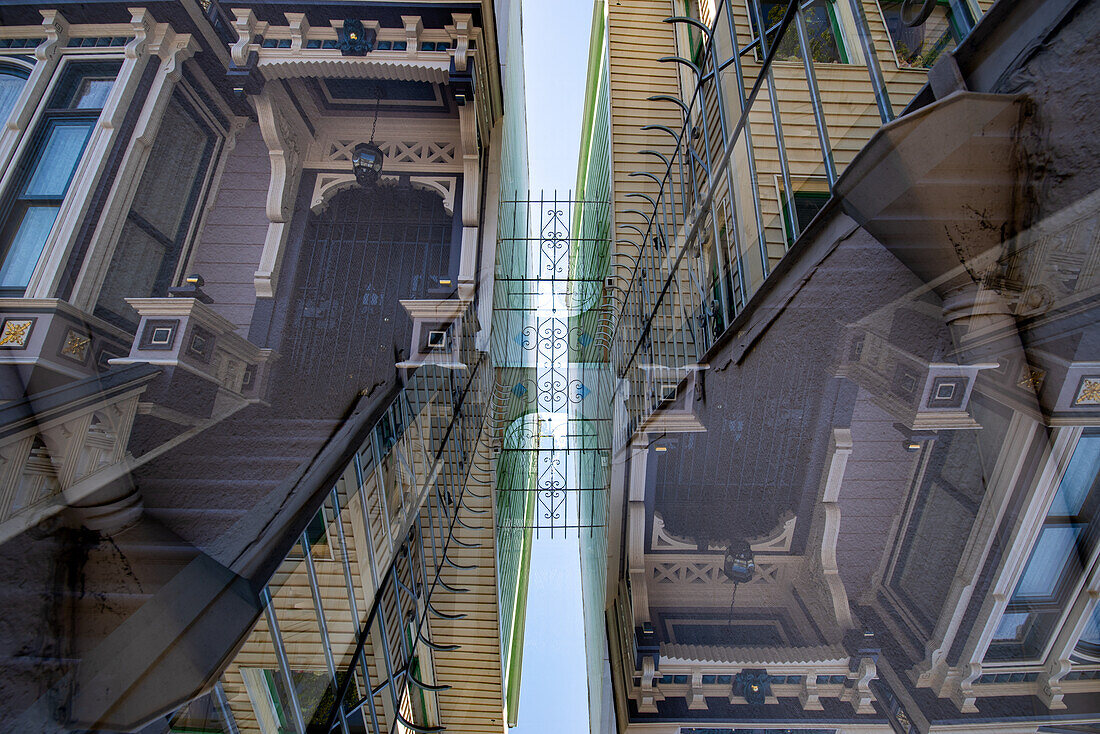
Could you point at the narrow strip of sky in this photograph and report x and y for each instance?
(553, 691)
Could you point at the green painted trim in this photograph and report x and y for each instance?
(597, 45)
(838, 35)
(519, 619)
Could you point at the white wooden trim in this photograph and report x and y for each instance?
(47, 274)
(174, 50)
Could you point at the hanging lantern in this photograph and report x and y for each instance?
(367, 158)
(739, 565)
(366, 162)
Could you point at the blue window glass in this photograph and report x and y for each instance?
(26, 245)
(1054, 551)
(1089, 641)
(12, 79)
(1078, 479)
(58, 157)
(47, 170)
(1057, 559)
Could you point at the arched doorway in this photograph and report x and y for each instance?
(359, 257)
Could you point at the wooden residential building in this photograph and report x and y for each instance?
(247, 405)
(853, 484)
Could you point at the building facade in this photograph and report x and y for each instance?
(853, 482)
(249, 408)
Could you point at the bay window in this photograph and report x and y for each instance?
(12, 79)
(47, 169)
(158, 224)
(1057, 560)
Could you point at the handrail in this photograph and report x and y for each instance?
(697, 220)
(37, 407)
(687, 208)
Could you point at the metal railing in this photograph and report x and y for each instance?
(702, 247)
(382, 535)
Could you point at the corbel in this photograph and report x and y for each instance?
(46, 55)
(143, 25)
(1050, 683)
(460, 31)
(808, 695)
(648, 694)
(695, 699)
(246, 26)
(299, 28)
(471, 184)
(146, 32)
(174, 50)
(860, 695)
(414, 25)
(961, 690)
(286, 140)
(471, 164)
(56, 29)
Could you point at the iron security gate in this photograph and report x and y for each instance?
(368, 250)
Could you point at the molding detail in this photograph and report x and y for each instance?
(779, 542)
(415, 154)
(286, 138)
(841, 449)
(328, 185)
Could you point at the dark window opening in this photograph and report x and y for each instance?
(822, 32)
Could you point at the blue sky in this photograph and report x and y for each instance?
(554, 692)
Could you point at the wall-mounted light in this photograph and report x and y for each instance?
(914, 440)
(444, 281)
(355, 39)
(191, 288)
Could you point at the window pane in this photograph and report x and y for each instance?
(92, 93)
(26, 246)
(820, 32)
(84, 85)
(1078, 480)
(11, 84)
(55, 165)
(920, 46)
(135, 266)
(1090, 636)
(175, 163)
(1012, 627)
(1056, 547)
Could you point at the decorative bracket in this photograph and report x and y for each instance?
(286, 138)
(328, 185)
(463, 22)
